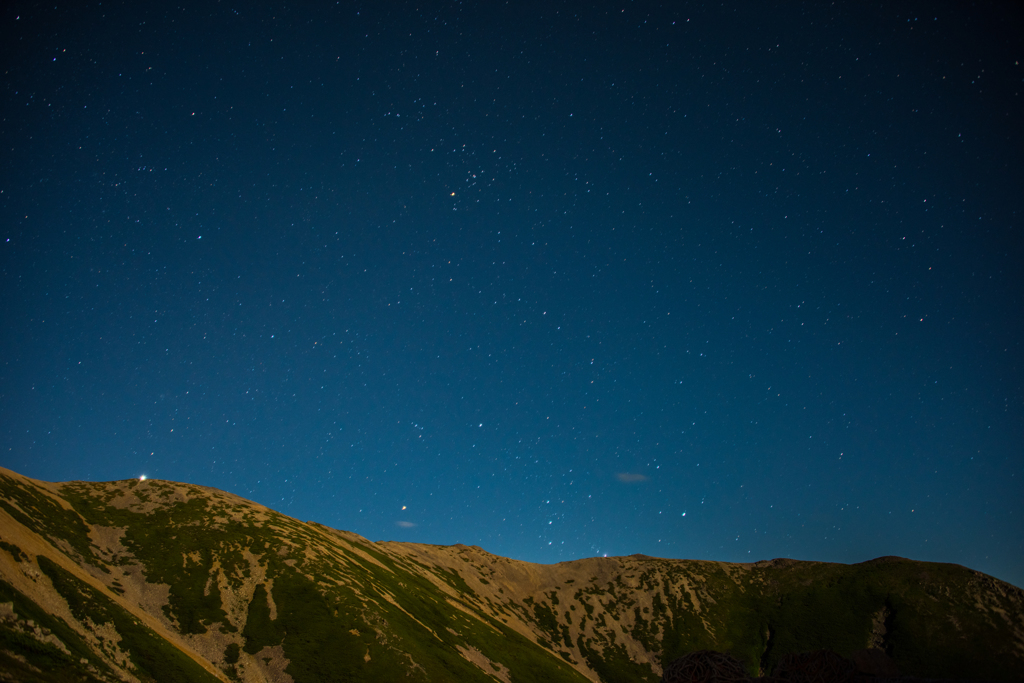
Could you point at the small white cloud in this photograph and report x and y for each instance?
(630, 477)
(405, 525)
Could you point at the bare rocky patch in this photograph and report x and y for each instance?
(484, 663)
(266, 666)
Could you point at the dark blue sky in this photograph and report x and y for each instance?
(686, 280)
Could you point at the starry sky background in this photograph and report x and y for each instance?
(698, 281)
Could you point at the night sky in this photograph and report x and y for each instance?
(689, 280)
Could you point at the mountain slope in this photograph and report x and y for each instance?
(155, 580)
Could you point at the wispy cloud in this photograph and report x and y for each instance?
(629, 477)
(405, 525)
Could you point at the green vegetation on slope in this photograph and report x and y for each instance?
(822, 609)
(935, 627)
(155, 659)
(331, 632)
(613, 664)
(43, 515)
(175, 544)
(43, 661)
(811, 606)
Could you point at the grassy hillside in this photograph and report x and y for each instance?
(153, 580)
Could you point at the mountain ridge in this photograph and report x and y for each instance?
(156, 580)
